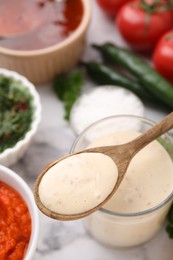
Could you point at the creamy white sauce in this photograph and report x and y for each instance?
(147, 183)
(149, 177)
(78, 183)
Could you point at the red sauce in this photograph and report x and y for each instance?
(15, 224)
(36, 24)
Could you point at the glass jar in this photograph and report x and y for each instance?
(124, 229)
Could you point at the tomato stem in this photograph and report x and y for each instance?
(156, 6)
(171, 3)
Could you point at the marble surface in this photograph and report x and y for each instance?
(69, 240)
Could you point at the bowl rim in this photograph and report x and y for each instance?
(80, 29)
(34, 214)
(36, 115)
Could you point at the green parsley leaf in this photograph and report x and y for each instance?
(169, 227)
(68, 89)
(169, 147)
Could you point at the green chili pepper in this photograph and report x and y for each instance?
(139, 68)
(103, 75)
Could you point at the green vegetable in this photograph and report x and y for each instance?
(139, 68)
(15, 112)
(169, 147)
(104, 75)
(169, 227)
(68, 89)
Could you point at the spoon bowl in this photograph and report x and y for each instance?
(120, 154)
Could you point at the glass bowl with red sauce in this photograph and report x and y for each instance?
(19, 217)
(42, 38)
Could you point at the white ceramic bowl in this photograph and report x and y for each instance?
(15, 181)
(11, 155)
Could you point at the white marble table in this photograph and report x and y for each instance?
(69, 240)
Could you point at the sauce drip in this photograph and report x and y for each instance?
(37, 24)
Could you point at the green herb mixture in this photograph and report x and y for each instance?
(15, 112)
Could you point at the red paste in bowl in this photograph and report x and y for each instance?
(15, 224)
(37, 24)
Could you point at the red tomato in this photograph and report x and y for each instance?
(140, 29)
(163, 56)
(111, 7)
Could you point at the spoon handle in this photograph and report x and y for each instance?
(157, 130)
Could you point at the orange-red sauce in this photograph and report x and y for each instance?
(15, 224)
(37, 24)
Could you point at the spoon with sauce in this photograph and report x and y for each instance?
(113, 163)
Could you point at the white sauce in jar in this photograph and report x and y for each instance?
(78, 183)
(147, 184)
(149, 177)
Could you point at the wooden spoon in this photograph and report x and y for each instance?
(120, 154)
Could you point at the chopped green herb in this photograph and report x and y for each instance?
(15, 112)
(68, 89)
